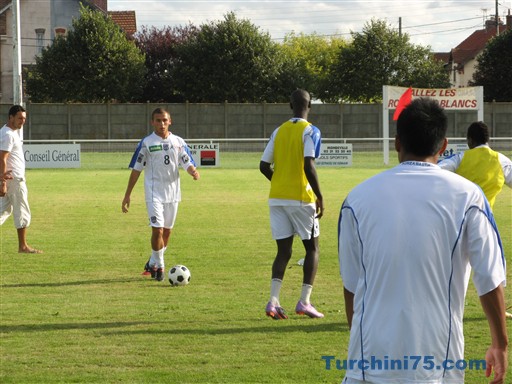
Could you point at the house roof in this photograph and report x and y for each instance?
(474, 44)
(126, 20)
(442, 56)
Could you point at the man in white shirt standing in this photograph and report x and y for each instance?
(13, 191)
(408, 239)
(160, 154)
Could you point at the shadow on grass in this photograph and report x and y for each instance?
(70, 283)
(314, 326)
(69, 326)
(50, 327)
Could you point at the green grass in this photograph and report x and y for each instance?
(82, 313)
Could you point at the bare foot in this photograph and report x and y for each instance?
(29, 250)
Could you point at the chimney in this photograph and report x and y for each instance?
(509, 20)
(490, 25)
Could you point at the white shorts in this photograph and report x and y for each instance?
(15, 202)
(162, 215)
(287, 221)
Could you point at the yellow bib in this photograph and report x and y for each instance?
(289, 180)
(482, 166)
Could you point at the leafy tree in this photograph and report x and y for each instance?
(381, 56)
(160, 48)
(312, 56)
(95, 62)
(494, 68)
(231, 60)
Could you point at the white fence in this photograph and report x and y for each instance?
(502, 144)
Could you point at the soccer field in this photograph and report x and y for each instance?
(82, 313)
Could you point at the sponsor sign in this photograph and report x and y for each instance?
(335, 155)
(205, 155)
(449, 98)
(52, 155)
(452, 149)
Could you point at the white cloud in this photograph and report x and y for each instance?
(439, 24)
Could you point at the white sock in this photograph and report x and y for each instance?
(275, 288)
(157, 258)
(306, 293)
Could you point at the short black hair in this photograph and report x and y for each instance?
(300, 99)
(15, 109)
(159, 111)
(421, 127)
(478, 132)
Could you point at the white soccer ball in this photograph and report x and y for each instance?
(179, 275)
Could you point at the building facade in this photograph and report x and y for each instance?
(461, 61)
(40, 22)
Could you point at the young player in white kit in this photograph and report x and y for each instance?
(160, 155)
(408, 239)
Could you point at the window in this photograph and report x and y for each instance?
(39, 40)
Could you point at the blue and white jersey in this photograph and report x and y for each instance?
(299, 139)
(160, 159)
(408, 239)
(311, 138)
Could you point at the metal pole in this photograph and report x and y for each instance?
(17, 87)
(497, 20)
(16, 56)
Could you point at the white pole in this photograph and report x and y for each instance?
(16, 58)
(480, 102)
(17, 88)
(385, 123)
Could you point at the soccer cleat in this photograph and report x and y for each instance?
(277, 313)
(308, 310)
(159, 274)
(149, 271)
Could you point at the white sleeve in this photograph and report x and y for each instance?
(139, 160)
(268, 153)
(485, 253)
(6, 143)
(451, 163)
(309, 146)
(349, 249)
(506, 165)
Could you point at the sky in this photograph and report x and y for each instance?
(441, 24)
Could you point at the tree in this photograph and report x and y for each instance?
(381, 56)
(95, 62)
(494, 68)
(313, 56)
(160, 49)
(231, 60)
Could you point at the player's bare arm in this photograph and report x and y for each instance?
(4, 174)
(493, 304)
(349, 306)
(311, 175)
(134, 176)
(192, 171)
(266, 170)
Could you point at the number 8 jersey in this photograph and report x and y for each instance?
(160, 159)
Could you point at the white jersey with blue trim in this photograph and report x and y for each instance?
(408, 239)
(160, 159)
